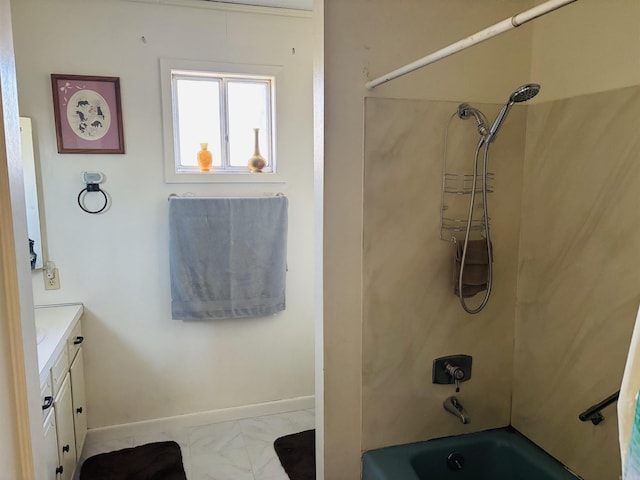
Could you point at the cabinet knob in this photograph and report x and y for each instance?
(78, 340)
(65, 448)
(59, 469)
(79, 410)
(48, 401)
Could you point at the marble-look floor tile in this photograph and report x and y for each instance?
(218, 452)
(284, 476)
(264, 461)
(216, 471)
(180, 436)
(260, 433)
(215, 437)
(237, 450)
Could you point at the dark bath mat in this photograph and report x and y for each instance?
(153, 461)
(297, 454)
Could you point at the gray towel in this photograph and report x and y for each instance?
(227, 257)
(476, 267)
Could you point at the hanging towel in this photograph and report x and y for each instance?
(476, 267)
(632, 463)
(227, 257)
(628, 407)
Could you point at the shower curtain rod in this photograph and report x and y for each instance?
(481, 36)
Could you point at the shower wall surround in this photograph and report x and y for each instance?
(411, 315)
(578, 290)
(566, 288)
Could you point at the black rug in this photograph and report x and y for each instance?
(153, 461)
(297, 454)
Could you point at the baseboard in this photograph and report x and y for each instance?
(201, 418)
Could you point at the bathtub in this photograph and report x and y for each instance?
(501, 454)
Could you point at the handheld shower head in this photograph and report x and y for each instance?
(521, 94)
(524, 93)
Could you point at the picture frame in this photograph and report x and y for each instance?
(88, 114)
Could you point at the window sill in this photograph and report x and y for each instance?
(198, 177)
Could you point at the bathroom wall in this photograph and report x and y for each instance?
(365, 39)
(140, 364)
(577, 291)
(411, 315)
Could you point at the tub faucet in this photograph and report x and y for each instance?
(453, 406)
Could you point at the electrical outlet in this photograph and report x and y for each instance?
(51, 282)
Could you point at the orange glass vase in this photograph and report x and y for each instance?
(205, 159)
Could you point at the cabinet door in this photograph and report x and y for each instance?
(50, 446)
(79, 401)
(66, 435)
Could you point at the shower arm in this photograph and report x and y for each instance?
(481, 36)
(465, 111)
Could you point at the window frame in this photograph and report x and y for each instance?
(176, 173)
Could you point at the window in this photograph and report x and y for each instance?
(221, 109)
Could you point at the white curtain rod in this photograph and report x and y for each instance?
(481, 36)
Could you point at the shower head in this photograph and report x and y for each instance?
(524, 93)
(521, 94)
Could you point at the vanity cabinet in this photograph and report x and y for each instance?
(60, 360)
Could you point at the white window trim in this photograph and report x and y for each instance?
(171, 176)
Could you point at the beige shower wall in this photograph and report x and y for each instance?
(410, 313)
(578, 291)
(578, 288)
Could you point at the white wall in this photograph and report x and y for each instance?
(139, 363)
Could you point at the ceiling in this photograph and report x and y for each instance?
(294, 4)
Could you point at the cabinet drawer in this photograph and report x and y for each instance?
(58, 371)
(46, 396)
(74, 342)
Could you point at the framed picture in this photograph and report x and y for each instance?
(87, 113)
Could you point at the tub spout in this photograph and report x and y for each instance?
(453, 406)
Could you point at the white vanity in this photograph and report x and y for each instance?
(64, 412)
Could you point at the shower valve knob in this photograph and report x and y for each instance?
(452, 369)
(456, 373)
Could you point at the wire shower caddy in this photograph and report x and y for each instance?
(455, 188)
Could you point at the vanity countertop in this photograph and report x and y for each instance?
(54, 324)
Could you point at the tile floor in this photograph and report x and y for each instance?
(234, 450)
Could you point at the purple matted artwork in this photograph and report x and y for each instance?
(87, 113)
